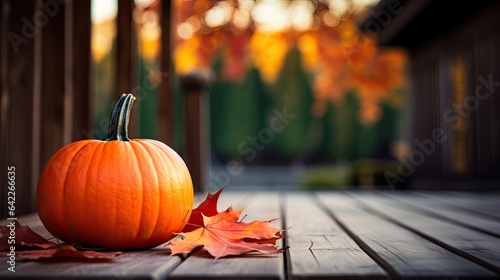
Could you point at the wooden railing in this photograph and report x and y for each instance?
(47, 87)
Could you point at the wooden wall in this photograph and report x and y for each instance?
(45, 81)
(474, 45)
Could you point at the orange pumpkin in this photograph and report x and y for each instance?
(116, 193)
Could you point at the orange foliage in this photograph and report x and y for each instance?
(341, 57)
(221, 234)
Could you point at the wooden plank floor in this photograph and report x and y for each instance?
(331, 235)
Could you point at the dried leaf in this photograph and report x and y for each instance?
(25, 238)
(223, 235)
(207, 208)
(65, 251)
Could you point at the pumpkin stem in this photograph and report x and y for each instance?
(118, 125)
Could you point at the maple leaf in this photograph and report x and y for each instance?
(65, 251)
(25, 238)
(223, 235)
(208, 208)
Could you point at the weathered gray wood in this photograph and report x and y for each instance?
(329, 234)
(408, 254)
(476, 246)
(483, 208)
(319, 248)
(33, 221)
(447, 212)
(261, 206)
(238, 200)
(494, 196)
(151, 264)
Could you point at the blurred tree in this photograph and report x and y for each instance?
(292, 94)
(343, 89)
(238, 111)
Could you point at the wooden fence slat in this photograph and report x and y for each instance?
(407, 253)
(166, 96)
(81, 61)
(319, 248)
(17, 102)
(125, 59)
(53, 79)
(4, 106)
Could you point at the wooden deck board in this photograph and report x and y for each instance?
(151, 264)
(319, 248)
(477, 246)
(445, 211)
(261, 206)
(480, 207)
(407, 254)
(332, 235)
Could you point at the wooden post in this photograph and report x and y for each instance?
(197, 158)
(125, 64)
(80, 60)
(166, 98)
(53, 82)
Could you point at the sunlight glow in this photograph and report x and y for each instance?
(271, 16)
(103, 10)
(301, 15)
(143, 3)
(185, 30)
(103, 13)
(219, 14)
(339, 6)
(331, 18)
(241, 18)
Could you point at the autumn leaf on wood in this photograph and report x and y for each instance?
(223, 235)
(207, 208)
(65, 251)
(24, 238)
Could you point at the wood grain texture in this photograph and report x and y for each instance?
(480, 207)
(166, 95)
(155, 263)
(261, 206)
(82, 83)
(4, 104)
(409, 255)
(150, 264)
(18, 106)
(53, 91)
(196, 132)
(331, 235)
(447, 212)
(319, 248)
(476, 246)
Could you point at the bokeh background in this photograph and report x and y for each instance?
(260, 94)
(309, 58)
